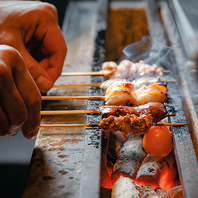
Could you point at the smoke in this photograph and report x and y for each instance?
(150, 51)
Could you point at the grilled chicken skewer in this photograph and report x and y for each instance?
(139, 82)
(124, 94)
(126, 69)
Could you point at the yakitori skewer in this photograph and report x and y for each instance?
(156, 109)
(77, 85)
(73, 97)
(95, 125)
(124, 94)
(68, 112)
(140, 82)
(125, 69)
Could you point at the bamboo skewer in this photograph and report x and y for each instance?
(94, 125)
(77, 85)
(90, 84)
(99, 73)
(73, 97)
(66, 112)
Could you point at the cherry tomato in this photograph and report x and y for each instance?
(158, 141)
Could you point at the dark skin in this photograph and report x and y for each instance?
(32, 53)
(32, 28)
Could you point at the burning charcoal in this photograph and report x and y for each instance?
(148, 192)
(152, 169)
(105, 193)
(162, 193)
(125, 187)
(116, 140)
(176, 192)
(105, 179)
(130, 157)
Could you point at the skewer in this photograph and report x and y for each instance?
(73, 97)
(91, 84)
(94, 125)
(100, 73)
(77, 85)
(66, 112)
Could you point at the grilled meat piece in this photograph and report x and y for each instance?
(127, 69)
(127, 124)
(156, 109)
(123, 93)
(138, 83)
(129, 158)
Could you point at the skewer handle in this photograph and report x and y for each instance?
(68, 125)
(170, 124)
(66, 112)
(77, 85)
(73, 97)
(100, 73)
(93, 125)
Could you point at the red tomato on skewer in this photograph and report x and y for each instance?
(158, 141)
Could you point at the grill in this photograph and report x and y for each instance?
(67, 162)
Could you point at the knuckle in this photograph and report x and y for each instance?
(10, 57)
(51, 7)
(7, 37)
(35, 102)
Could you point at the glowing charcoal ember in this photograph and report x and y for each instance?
(162, 193)
(125, 188)
(124, 94)
(130, 157)
(176, 192)
(105, 178)
(116, 140)
(148, 192)
(152, 169)
(156, 109)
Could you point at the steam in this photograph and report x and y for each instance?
(151, 52)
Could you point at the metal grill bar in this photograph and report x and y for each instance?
(183, 146)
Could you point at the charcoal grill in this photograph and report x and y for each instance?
(66, 162)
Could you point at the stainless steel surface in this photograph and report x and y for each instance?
(185, 16)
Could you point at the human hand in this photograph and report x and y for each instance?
(32, 28)
(20, 99)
